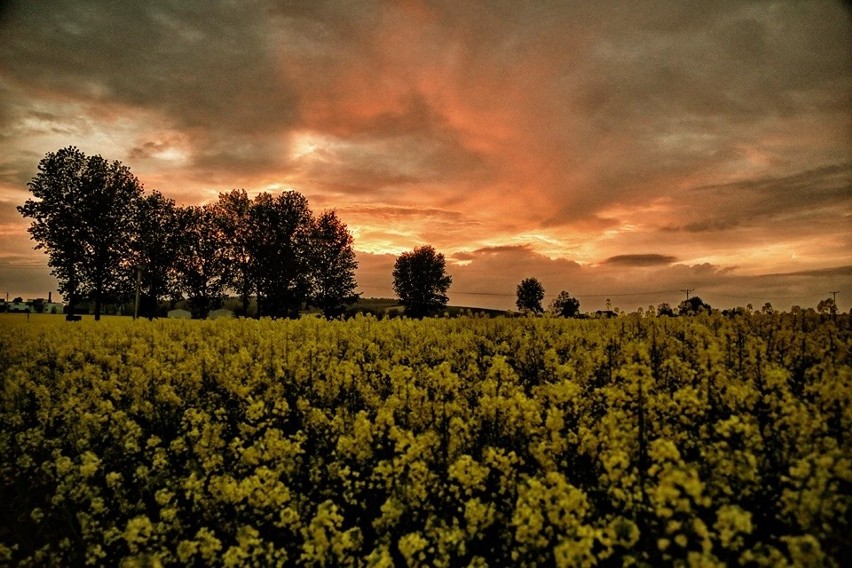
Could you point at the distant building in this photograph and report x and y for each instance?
(19, 307)
(53, 308)
(42, 306)
(32, 305)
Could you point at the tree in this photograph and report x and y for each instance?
(201, 263)
(665, 309)
(565, 305)
(530, 293)
(280, 243)
(155, 249)
(693, 306)
(827, 306)
(420, 281)
(233, 210)
(332, 265)
(83, 217)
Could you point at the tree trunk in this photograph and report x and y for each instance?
(245, 300)
(259, 302)
(98, 293)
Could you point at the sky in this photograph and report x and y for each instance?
(621, 149)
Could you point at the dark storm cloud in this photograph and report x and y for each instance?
(463, 256)
(504, 249)
(667, 100)
(208, 65)
(209, 68)
(817, 188)
(587, 130)
(402, 213)
(640, 260)
(500, 268)
(367, 163)
(148, 149)
(661, 88)
(822, 194)
(593, 284)
(818, 273)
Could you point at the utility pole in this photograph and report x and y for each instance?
(833, 303)
(687, 291)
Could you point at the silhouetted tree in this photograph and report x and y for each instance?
(281, 227)
(693, 306)
(201, 263)
(665, 309)
(530, 293)
(565, 305)
(332, 265)
(155, 250)
(827, 306)
(83, 217)
(420, 281)
(238, 237)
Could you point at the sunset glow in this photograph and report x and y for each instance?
(616, 149)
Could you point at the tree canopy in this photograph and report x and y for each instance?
(282, 226)
(827, 306)
(665, 309)
(530, 294)
(105, 237)
(692, 306)
(84, 216)
(333, 265)
(155, 249)
(239, 236)
(201, 263)
(565, 305)
(420, 281)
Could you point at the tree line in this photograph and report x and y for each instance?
(108, 240)
(530, 294)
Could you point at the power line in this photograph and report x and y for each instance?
(760, 297)
(624, 294)
(756, 297)
(512, 295)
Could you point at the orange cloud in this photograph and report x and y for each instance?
(574, 133)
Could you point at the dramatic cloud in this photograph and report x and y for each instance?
(801, 196)
(570, 137)
(640, 259)
(629, 286)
